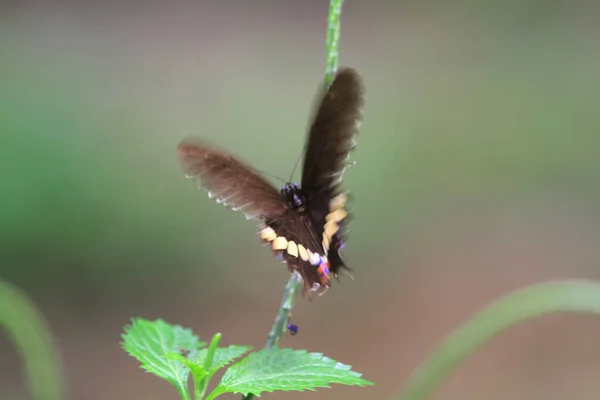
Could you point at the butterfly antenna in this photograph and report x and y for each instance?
(269, 174)
(296, 164)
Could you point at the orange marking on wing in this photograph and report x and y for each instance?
(324, 274)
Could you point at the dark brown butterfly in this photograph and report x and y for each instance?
(302, 223)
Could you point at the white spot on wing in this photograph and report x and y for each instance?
(280, 243)
(303, 252)
(292, 248)
(314, 258)
(330, 228)
(326, 244)
(336, 215)
(268, 234)
(241, 208)
(338, 202)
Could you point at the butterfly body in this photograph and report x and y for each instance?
(295, 239)
(301, 222)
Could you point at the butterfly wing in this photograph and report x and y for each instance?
(238, 187)
(331, 134)
(330, 141)
(230, 181)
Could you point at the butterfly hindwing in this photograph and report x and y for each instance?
(294, 238)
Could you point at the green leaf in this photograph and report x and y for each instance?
(30, 333)
(530, 302)
(285, 369)
(197, 371)
(222, 356)
(149, 341)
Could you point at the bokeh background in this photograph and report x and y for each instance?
(477, 172)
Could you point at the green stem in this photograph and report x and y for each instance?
(279, 328)
(183, 392)
(575, 295)
(212, 347)
(333, 39)
(287, 302)
(294, 285)
(26, 327)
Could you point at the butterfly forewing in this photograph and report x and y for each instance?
(229, 181)
(331, 138)
(331, 134)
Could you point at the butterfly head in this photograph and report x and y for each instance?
(293, 194)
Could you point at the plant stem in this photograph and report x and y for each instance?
(203, 385)
(333, 38)
(280, 326)
(26, 327)
(294, 285)
(287, 302)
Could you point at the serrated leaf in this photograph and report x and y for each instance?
(222, 356)
(285, 369)
(149, 341)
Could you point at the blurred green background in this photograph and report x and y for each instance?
(478, 171)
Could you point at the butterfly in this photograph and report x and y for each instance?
(303, 223)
